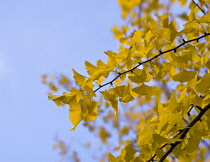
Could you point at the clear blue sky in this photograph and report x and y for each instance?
(43, 37)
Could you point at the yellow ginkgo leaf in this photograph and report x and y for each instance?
(103, 134)
(173, 30)
(90, 91)
(111, 97)
(144, 90)
(164, 21)
(128, 151)
(205, 19)
(136, 37)
(146, 135)
(60, 99)
(64, 80)
(89, 109)
(80, 79)
(184, 76)
(75, 115)
(203, 84)
(127, 97)
(139, 78)
(112, 158)
(182, 2)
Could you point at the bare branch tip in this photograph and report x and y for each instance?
(199, 108)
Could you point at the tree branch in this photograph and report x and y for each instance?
(185, 131)
(149, 60)
(199, 7)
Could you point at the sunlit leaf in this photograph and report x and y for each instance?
(184, 76)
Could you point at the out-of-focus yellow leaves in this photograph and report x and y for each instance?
(163, 118)
(144, 90)
(159, 153)
(112, 158)
(157, 142)
(173, 30)
(203, 84)
(53, 87)
(159, 139)
(119, 33)
(127, 6)
(182, 2)
(128, 151)
(64, 80)
(150, 47)
(164, 21)
(63, 148)
(125, 130)
(193, 142)
(205, 19)
(181, 59)
(62, 145)
(88, 144)
(103, 134)
(172, 105)
(174, 118)
(75, 156)
(206, 100)
(117, 148)
(55, 147)
(184, 76)
(136, 38)
(127, 98)
(183, 16)
(44, 79)
(146, 135)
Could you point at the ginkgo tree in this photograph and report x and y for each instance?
(156, 86)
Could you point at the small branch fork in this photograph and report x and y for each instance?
(182, 134)
(199, 7)
(149, 60)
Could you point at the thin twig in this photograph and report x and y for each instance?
(199, 7)
(149, 60)
(185, 131)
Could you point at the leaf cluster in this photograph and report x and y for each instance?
(158, 82)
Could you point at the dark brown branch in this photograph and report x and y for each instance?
(149, 60)
(185, 131)
(199, 7)
(163, 146)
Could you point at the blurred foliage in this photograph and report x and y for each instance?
(157, 85)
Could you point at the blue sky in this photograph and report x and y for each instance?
(44, 37)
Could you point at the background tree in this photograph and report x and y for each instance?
(153, 93)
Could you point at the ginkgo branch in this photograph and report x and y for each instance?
(149, 60)
(185, 131)
(199, 7)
